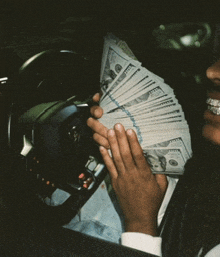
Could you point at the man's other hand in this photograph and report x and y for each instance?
(100, 131)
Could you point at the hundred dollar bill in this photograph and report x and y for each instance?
(139, 99)
(164, 106)
(122, 44)
(125, 48)
(163, 160)
(137, 82)
(161, 103)
(142, 128)
(157, 137)
(123, 75)
(147, 95)
(174, 143)
(151, 115)
(175, 117)
(113, 61)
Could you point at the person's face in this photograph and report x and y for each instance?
(211, 130)
(155, 164)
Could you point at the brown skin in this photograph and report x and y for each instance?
(100, 131)
(211, 130)
(140, 193)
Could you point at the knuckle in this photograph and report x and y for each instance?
(114, 186)
(139, 156)
(117, 159)
(126, 155)
(96, 137)
(100, 140)
(90, 122)
(96, 97)
(98, 112)
(92, 109)
(113, 182)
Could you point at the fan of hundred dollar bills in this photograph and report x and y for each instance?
(139, 99)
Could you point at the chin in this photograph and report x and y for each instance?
(212, 133)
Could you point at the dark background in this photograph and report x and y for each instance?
(29, 27)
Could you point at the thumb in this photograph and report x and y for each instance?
(96, 97)
(162, 182)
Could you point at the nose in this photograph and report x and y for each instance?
(213, 73)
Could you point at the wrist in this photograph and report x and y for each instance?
(149, 227)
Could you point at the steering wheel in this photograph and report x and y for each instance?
(51, 136)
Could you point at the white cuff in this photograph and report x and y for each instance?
(142, 242)
(170, 189)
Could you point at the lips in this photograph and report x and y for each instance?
(213, 101)
(212, 114)
(211, 130)
(213, 105)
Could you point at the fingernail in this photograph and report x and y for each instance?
(111, 132)
(129, 132)
(101, 148)
(89, 120)
(95, 95)
(97, 113)
(118, 126)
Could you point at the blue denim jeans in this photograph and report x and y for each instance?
(98, 217)
(101, 216)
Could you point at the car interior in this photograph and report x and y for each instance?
(50, 58)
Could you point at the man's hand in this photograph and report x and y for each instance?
(96, 111)
(140, 193)
(100, 131)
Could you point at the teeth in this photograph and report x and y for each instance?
(215, 110)
(213, 105)
(213, 102)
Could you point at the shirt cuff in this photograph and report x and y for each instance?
(142, 242)
(170, 189)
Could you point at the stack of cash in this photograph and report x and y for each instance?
(139, 99)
